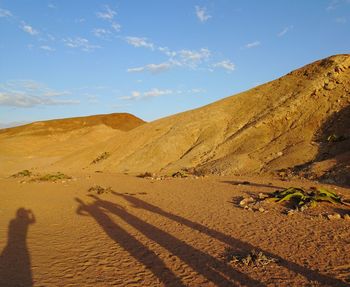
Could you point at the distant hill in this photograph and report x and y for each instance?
(297, 121)
(119, 121)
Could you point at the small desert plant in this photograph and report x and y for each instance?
(253, 258)
(146, 175)
(99, 189)
(23, 173)
(101, 157)
(53, 177)
(301, 198)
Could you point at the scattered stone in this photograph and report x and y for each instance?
(262, 196)
(244, 202)
(334, 216)
(346, 217)
(261, 209)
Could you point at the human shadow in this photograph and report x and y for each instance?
(214, 270)
(134, 247)
(15, 266)
(239, 245)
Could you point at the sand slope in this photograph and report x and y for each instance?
(270, 127)
(42, 143)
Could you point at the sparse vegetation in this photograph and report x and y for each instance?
(53, 177)
(146, 175)
(99, 189)
(23, 173)
(302, 199)
(101, 157)
(253, 259)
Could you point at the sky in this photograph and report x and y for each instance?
(67, 58)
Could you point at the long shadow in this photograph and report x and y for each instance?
(15, 266)
(237, 244)
(214, 270)
(134, 247)
(235, 182)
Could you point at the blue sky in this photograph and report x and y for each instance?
(153, 58)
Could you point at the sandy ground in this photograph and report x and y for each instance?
(163, 233)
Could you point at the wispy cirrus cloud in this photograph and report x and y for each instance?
(139, 42)
(136, 95)
(108, 14)
(153, 68)
(80, 43)
(29, 29)
(5, 13)
(253, 44)
(285, 31)
(47, 48)
(27, 93)
(226, 65)
(101, 33)
(202, 14)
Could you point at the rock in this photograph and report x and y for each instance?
(346, 217)
(246, 201)
(262, 195)
(290, 212)
(261, 209)
(334, 216)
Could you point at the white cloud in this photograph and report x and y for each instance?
(26, 93)
(139, 42)
(285, 31)
(225, 64)
(29, 29)
(192, 58)
(253, 44)
(115, 26)
(202, 14)
(135, 95)
(153, 68)
(107, 13)
(101, 33)
(47, 48)
(5, 13)
(167, 51)
(80, 43)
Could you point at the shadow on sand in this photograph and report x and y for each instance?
(211, 268)
(310, 275)
(15, 267)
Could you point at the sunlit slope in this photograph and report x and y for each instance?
(269, 127)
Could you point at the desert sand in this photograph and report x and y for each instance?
(163, 233)
(165, 230)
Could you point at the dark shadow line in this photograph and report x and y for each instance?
(234, 182)
(15, 265)
(211, 268)
(134, 247)
(310, 274)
